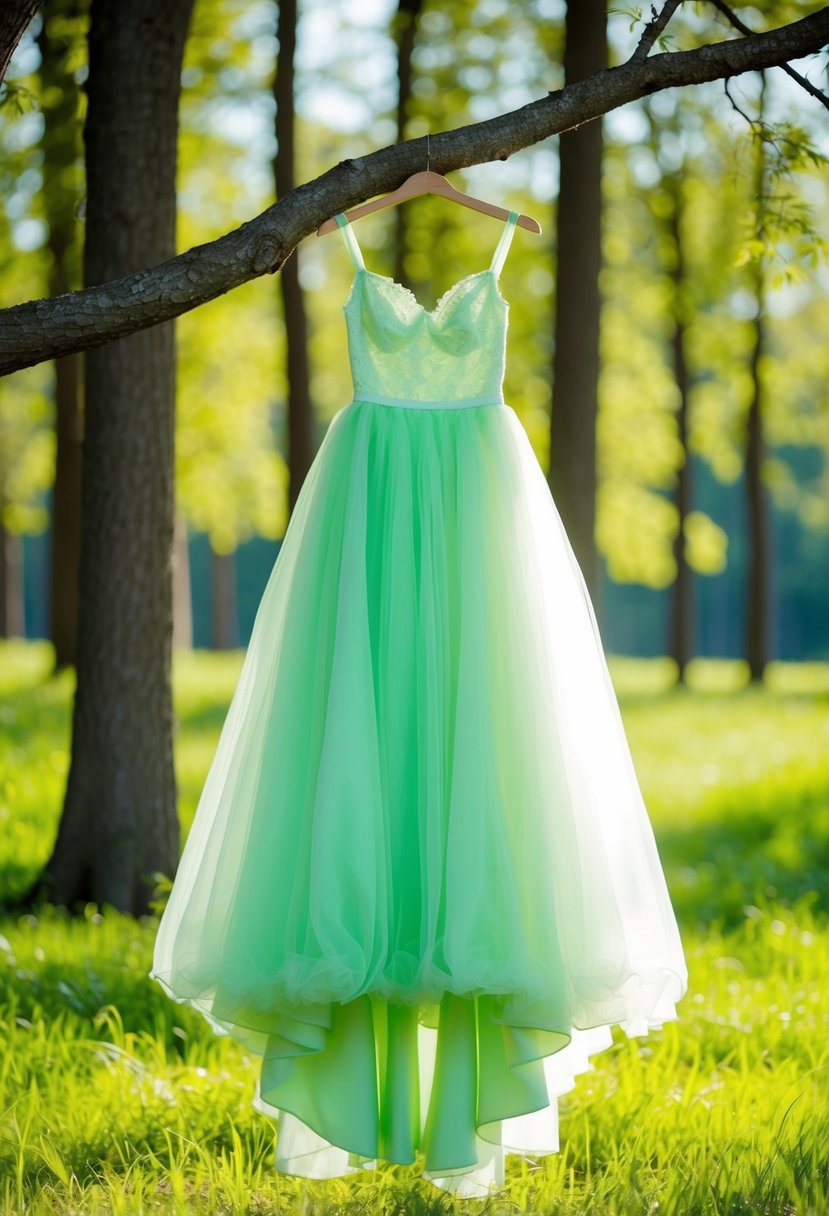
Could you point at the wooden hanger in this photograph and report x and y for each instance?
(428, 182)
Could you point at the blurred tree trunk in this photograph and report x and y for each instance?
(182, 596)
(757, 508)
(225, 615)
(757, 591)
(681, 603)
(119, 825)
(682, 620)
(12, 617)
(301, 441)
(572, 473)
(15, 16)
(60, 103)
(405, 29)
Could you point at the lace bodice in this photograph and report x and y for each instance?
(402, 353)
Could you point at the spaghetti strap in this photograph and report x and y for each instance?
(504, 243)
(350, 241)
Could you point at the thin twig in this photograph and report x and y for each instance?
(765, 131)
(740, 25)
(752, 122)
(653, 29)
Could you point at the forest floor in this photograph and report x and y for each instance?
(115, 1100)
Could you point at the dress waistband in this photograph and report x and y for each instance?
(407, 402)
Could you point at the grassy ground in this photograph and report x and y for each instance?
(115, 1100)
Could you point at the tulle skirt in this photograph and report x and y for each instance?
(421, 881)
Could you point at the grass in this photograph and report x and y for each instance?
(115, 1100)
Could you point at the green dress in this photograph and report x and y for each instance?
(421, 881)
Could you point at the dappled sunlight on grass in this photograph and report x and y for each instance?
(737, 785)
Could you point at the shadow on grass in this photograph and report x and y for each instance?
(720, 700)
(755, 850)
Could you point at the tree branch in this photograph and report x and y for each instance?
(653, 29)
(740, 25)
(15, 16)
(47, 329)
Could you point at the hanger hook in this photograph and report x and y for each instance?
(428, 153)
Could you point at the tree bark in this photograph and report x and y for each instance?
(301, 444)
(15, 16)
(572, 472)
(119, 825)
(45, 329)
(61, 152)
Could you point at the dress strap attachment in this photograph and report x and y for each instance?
(350, 241)
(503, 245)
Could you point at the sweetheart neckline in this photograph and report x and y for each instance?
(431, 312)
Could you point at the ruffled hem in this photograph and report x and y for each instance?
(452, 1087)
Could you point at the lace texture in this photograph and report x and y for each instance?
(399, 350)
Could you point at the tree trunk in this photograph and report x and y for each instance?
(225, 615)
(182, 595)
(301, 439)
(572, 474)
(12, 617)
(120, 825)
(405, 29)
(66, 508)
(758, 524)
(61, 194)
(681, 639)
(758, 527)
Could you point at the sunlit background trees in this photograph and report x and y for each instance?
(714, 302)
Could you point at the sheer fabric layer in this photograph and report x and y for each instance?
(421, 882)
